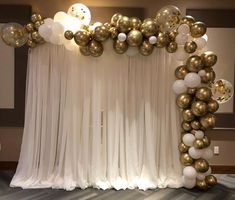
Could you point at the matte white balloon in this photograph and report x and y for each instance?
(56, 39)
(199, 134)
(152, 39)
(207, 154)
(189, 183)
(200, 176)
(190, 172)
(181, 54)
(202, 73)
(96, 24)
(122, 37)
(201, 42)
(48, 21)
(205, 37)
(179, 87)
(192, 80)
(57, 28)
(60, 16)
(184, 29)
(188, 139)
(195, 153)
(45, 31)
(181, 39)
(208, 172)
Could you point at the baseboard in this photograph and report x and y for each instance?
(8, 165)
(223, 169)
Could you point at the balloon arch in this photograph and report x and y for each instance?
(197, 93)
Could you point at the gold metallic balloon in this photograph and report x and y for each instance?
(181, 71)
(194, 63)
(171, 47)
(198, 144)
(82, 37)
(134, 38)
(209, 58)
(36, 17)
(31, 44)
(198, 29)
(115, 19)
(208, 121)
(191, 91)
(107, 25)
(189, 20)
(101, 33)
(209, 77)
(186, 159)
(68, 35)
(201, 165)
(199, 108)
(149, 27)
(183, 148)
(162, 40)
(201, 184)
(183, 100)
(96, 48)
(37, 24)
(123, 24)
(85, 51)
(36, 36)
(186, 126)
(29, 27)
(188, 115)
(212, 106)
(120, 47)
(135, 23)
(146, 48)
(203, 93)
(206, 141)
(172, 35)
(190, 47)
(195, 124)
(113, 32)
(211, 180)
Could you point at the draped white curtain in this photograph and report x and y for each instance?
(106, 122)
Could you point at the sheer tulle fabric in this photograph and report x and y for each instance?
(107, 122)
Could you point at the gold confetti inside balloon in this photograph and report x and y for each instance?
(222, 91)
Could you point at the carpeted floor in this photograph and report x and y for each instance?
(225, 190)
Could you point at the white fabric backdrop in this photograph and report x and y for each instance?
(103, 122)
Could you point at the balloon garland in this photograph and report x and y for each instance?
(178, 34)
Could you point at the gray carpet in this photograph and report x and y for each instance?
(219, 192)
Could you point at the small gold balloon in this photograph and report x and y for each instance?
(209, 58)
(181, 71)
(186, 126)
(190, 47)
(208, 121)
(149, 27)
(188, 115)
(206, 141)
(172, 35)
(162, 40)
(85, 51)
(191, 91)
(186, 159)
(101, 33)
(29, 27)
(96, 48)
(211, 180)
(36, 37)
(199, 108)
(195, 124)
(115, 19)
(198, 29)
(82, 37)
(146, 48)
(36, 17)
(135, 23)
(212, 106)
(184, 100)
(107, 25)
(37, 24)
(198, 144)
(113, 32)
(203, 93)
(171, 47)
(201, 165)
(194, 63)
(31, 44)
(134, 38)
(209, 77)
(68, 35)
(123, 24)
(201, 184)
(120, 47)
(183, 148)
(189, 20)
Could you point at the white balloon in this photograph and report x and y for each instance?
(70, 45)
(207, 154)
(96, 24)
(60, 16)
(192, 80)
(195, 153)
(200, 176)
(45, 31)
(181, 39)
(56, 39)
(179, 87)
(190, 172)
(57, 28)
(201, 42)
(202, 72)
(188, 139)
(205, 37)
(71, 23)
(132, 51)
(48, 21)
(181, 54)
(122, 37)
(184, 29)
(199, 134)
(152, 39)
(208, 172)
(189, 183)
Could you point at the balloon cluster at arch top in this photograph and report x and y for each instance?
(197, 93)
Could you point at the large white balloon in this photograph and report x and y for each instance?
(192, 80)
(181, 39)
(132, 51)
(199, 134)
(188, 139)
(181, 54)
(57, 28)
(56, 39)
(200, 176)
(121, 37)
(189, 182)
(195, 153)
(190, 172)
(184, 29)
(60, 16)
(45, 31)
(207, 154)
(48, 21)
(201, 42)
(179, 87)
